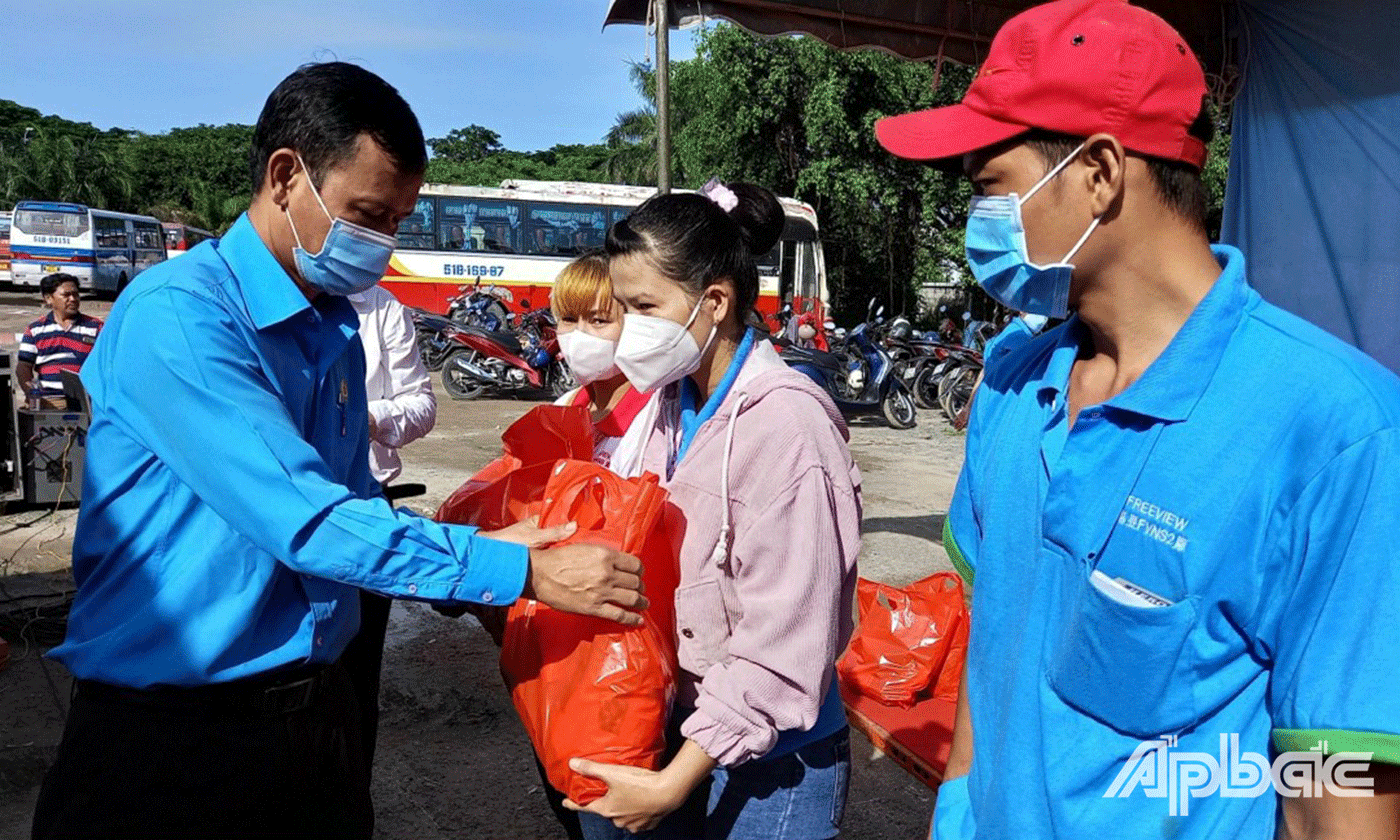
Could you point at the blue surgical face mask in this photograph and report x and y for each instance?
(352, 258)
(996, 251)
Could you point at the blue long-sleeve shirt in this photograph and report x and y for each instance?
(228, 508)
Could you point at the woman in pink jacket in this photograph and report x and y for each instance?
(755, 455)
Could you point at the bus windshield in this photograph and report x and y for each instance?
(51, 222)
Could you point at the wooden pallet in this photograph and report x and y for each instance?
(917, 738)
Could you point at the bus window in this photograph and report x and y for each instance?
(807, 285)
(416, 230)
(768, 263)
(479, 225)
(110, 233)
(51, 222)
(564, 230)
(148, 236)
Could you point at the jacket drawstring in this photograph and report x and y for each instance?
(720, 554)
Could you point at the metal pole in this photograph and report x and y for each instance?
(663, 96)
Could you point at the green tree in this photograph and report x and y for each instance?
(197, 175)
(462, 145)
(65, 167)
(798, 117)
(474, 156)
(631, 142)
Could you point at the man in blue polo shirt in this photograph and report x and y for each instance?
(1178, 508)
(229, 514)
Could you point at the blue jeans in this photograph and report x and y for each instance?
(798, 796)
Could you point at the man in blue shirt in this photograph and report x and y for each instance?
(229, 515)
(1178, 508)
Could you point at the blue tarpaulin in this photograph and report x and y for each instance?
(1314, 190)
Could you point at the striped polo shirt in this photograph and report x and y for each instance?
(51, 349)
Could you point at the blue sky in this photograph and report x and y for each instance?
(538, 72)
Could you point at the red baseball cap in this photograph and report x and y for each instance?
(1076, 67)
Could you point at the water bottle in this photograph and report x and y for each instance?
(34, 401)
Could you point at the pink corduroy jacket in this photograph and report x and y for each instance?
(771, 498)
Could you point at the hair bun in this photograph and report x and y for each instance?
(759, 215)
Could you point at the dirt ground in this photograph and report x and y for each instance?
(453, 761)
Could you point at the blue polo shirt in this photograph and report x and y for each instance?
(228, 508)
(1249, 479)
(1017, 333)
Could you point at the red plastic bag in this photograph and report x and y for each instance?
(910, 642)
(584, 686)
(547, 433)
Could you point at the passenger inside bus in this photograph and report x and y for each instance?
(455, 240)
(496, 236)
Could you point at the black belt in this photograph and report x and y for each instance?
(267, 695)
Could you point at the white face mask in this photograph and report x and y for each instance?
(654, 352)
(590, 357)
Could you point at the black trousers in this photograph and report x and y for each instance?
(364, 660)
(200, 763)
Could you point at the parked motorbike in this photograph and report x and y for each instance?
(802, 330)
(860, 376)
(492, 360)
(479, 307)
(435, 337)
(945, 377)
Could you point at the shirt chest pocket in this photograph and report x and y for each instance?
(1132, 668)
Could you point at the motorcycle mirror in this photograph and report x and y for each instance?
(967, 316)
(880, 311)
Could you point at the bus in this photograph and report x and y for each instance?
(513, 239)
(103, 249)
(180, 237)
(4, 246)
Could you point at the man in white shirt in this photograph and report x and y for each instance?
(402, 409)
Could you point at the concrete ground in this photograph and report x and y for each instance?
(453, 761)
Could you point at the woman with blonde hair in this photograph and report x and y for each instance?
(590, 323)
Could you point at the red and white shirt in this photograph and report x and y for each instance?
(619, 435)
(51, 349)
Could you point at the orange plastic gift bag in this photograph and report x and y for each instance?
(547, 433)
(582, 686)
(910, 642)
(587, 687)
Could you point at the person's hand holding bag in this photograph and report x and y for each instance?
(589, 580)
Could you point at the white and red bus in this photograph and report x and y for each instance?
(180, 237)
(515, 238)
(4, 246)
